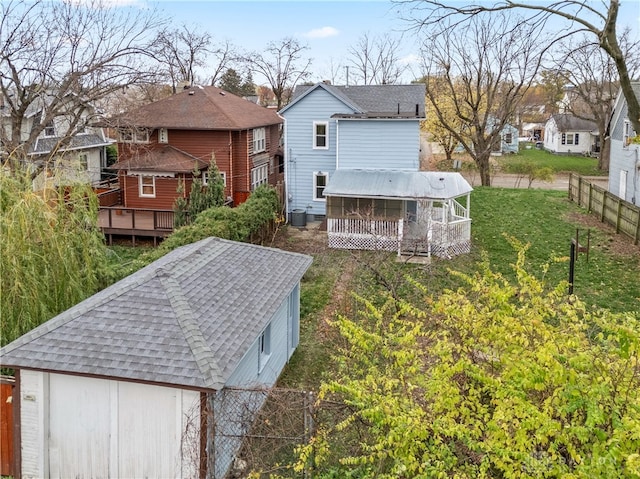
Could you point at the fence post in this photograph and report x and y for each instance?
(580, 190)
(637, 238)
(618, 214)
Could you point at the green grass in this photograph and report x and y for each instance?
(544, 219)
(581, 165)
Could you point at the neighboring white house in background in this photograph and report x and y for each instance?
(125, 383)
(567, 134)
(68, 143)
(624, 165)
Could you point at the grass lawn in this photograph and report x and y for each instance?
(581, 165)
(607, 278)
(559, 164)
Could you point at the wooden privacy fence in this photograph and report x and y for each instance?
(622, 215)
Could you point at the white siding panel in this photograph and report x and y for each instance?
(32, 421)
(79, 427)
(148, 443)
(379, 144)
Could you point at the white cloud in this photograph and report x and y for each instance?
(411, 59)
(323, 32)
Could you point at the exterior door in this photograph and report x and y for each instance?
(622, 192)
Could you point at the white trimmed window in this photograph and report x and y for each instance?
(264, 347)
(49, 129)
(259, 176)
(320, 135)
(147, 186)
(83, 161)
(133, 135)
(319, 184)
(259, 140)
(205, 177)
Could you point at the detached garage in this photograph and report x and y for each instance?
(124, 383)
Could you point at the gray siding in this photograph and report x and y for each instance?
(379, 144)
(248, 373)
(301, 160)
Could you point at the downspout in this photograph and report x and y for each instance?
(230, 175)
(337, 139)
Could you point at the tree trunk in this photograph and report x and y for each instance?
(605, 153)
(482, 161)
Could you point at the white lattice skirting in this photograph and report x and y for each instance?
(362, 242)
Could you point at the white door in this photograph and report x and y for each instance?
(622, 191)
(78, 427)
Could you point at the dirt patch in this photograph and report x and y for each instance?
(617, 244)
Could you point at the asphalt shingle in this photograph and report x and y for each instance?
(187, 319)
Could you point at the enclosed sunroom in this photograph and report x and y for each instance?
(411, 212)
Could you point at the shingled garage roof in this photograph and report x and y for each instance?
(185, 320)
(200, 108)
(163, 158)
(397, 184)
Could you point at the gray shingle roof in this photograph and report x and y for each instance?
(187, 319)
(568, 122)
(373, 100)
(76, 142)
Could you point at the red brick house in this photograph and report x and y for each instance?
(165, 141)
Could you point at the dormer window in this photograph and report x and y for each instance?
(49, 129)
(163, 135)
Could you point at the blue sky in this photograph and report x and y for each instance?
(327, 27)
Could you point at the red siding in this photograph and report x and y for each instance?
(231, 150)
(6, 427)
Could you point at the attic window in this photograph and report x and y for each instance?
(133, 135)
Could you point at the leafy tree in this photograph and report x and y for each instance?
(180, 207)
(52, 253)
(475, 78)
(492, 380)
(60, 57)
(232, 82)
(597, 19)
(214, 191)
(282, 65)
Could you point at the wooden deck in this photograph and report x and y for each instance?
(117, 221)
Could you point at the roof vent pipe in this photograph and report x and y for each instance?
(417, 109)
(398, 108)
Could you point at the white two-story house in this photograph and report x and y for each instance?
(352, 157)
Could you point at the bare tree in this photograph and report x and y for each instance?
(283, 66)
(595, 18)
(180, 51)
(593, 80)
(57, 58)
(375, 60)
(476, 74)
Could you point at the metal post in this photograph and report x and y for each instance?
(572, 262)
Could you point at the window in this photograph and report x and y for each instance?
(569, 138)
(205, 177)
(163, 135)
(133, 135)
(564, 139)
(259, 176)
(319, 184)
(577, 139)
(259, 140)
(508, 138)
(264, 347)
(83, 161)
(320, 135)
(147, 186)
(627, 133)
(49, 129)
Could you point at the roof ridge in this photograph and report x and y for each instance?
(199, 347)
